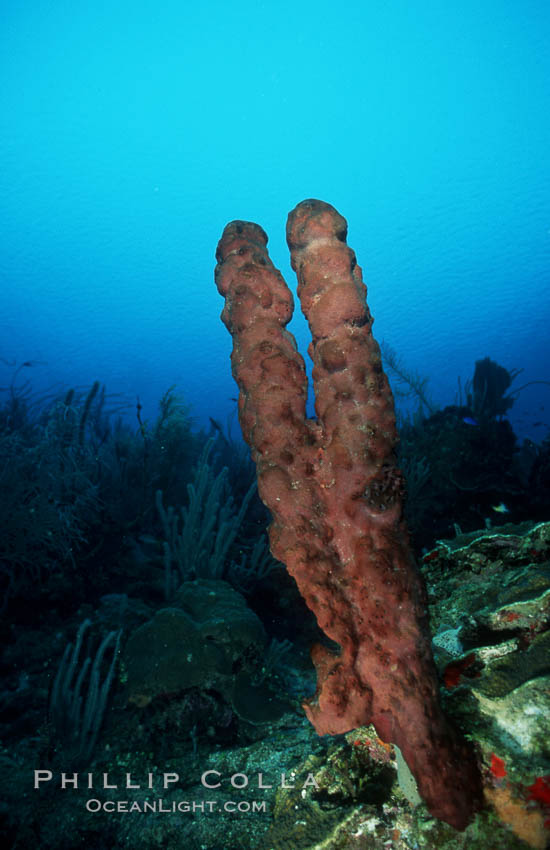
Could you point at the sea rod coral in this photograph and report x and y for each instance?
(336, 495)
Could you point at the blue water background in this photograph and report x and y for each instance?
(132, 132)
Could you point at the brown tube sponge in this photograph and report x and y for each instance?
(336, 494)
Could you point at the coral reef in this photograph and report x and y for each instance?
(238, 712)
